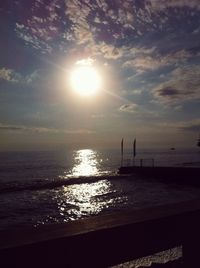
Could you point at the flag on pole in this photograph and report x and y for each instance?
(122, 151)
(134, 148)
(122, 147)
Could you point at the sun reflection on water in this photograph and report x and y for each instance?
(86, 199)
(86, 163)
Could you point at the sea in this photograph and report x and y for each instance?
(47, 187)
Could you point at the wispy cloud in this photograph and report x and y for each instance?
(138, 111)
(144, 62)
(158, 5)
(98, 25)
(129, 108)
(191, 125)
(24, 32)
(182, 86)
(11, 75)
(109, 51)
(23, 128)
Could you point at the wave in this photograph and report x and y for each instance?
(35, 185)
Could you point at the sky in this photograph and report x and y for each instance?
(147, 53)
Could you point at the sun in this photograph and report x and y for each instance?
(85, 80)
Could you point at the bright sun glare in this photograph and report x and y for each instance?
(85, 80)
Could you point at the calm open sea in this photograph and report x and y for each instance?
(55, 187)
(39, 188)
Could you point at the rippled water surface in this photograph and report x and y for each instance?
(53, 187)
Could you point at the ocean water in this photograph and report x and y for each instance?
(39, 188)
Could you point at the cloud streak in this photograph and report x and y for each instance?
(190, 126)
(129, 108)
(11, 75)
(160, 5)
(137, 111)
(183, 85)
(151, 61)
(22, 128)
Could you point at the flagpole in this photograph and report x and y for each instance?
(122, 151)
(134, 151)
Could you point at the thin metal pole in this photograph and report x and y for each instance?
(122, 152)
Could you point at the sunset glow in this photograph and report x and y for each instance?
(85, 80)
(87, 73)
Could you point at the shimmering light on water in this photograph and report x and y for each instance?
(80, 200)
(86, 163)
(75, 201)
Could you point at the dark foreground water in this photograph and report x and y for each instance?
(39, 188)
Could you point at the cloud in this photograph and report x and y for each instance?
(159, 5)
(129, 108)
(100, 28)
(22, 128)
(192, 125)
(109, 51)
(31, 37)
(141, 50)
(9, 75)
(31, 77)
(78, 131)
(78, 14)
(98, 116)
(84, 32)
(94, 25)
(184, 85)
(9, 127)
(88, 23)
(123, 16)
(168, 91)
(143, 61)
(132, 91)
(42, 24)
(87, 62)
(139, 112)
(141, 58)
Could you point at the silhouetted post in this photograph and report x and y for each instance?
(134, 151)
(122, 151)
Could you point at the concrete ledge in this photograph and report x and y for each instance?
(102, 241)
(181, 175)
